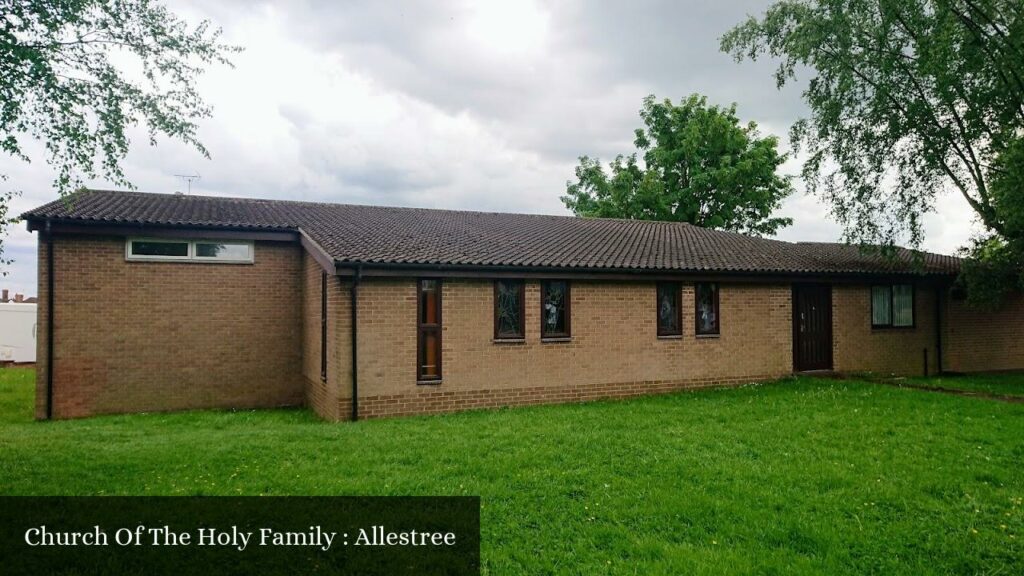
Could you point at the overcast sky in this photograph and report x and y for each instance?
(474, 105)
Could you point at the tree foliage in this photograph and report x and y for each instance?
(700, 165)
(907, 99)
(76, 74)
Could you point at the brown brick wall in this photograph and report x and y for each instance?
(984, 341)
(614, 350)
(148, 336)
(437, 399)
(331, 398)
(900, 351)
(135, 336)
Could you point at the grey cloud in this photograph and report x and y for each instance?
(416, 114)
(584, 91)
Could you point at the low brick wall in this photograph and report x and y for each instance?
(436, 400)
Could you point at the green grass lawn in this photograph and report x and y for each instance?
(998, 384)
(800, 476)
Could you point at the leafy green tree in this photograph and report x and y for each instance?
(63, 81)
(907, 98)
(700, 165)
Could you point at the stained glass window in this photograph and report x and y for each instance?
(508, 310)
(706, 297)
(555, 303)
(669, 321)
(428, 365)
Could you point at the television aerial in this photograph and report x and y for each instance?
(188, 178)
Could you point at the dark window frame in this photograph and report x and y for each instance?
(717, 331)
(522, 312)
(892, 306)
(679, 309)
(568, 312)
(131, 254)
(323, 327)
(422, 328)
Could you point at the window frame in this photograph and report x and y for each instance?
(679, 309)
(717, 309)
(557, 336)
(191, 255)
(157, 258)
(522, 311)
(422, 329)
(892, 306)
(195, 252)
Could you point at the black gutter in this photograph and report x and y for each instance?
(49, 322)
(355, 342)
(569, 271)
(32, 223)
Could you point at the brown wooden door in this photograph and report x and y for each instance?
(812, 327)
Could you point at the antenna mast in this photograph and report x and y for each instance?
(188, 178)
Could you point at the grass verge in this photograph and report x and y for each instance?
(801, 476)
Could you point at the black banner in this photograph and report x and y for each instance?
(239, 535)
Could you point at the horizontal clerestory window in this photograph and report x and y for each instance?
(164, 249)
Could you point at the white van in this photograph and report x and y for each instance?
(17, 332)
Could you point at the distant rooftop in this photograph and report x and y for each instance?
(417, 236)
(6, 298)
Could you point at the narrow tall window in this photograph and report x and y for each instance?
(902, 305)
(509, 310)
(892, 306)
(428, 364)
(881, 305)
(706, 300)
(670, 321)
(555, 309)
(323, 326)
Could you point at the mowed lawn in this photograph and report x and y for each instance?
(798, 476)
(994, 384)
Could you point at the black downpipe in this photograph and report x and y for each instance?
(355, 340)
(49, 322)
(938, 330)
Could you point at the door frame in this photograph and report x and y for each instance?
(796, 324)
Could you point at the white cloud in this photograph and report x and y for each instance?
(458, 104)
(508, 28)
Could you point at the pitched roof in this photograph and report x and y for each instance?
(388, 235)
